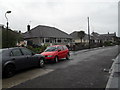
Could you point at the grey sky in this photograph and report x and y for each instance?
(67, 15)
(119, 19)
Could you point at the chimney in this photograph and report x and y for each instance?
(19, 31)
(115, 33)
(28, 27)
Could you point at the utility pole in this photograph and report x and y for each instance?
(88, 32)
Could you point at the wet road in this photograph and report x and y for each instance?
(85, 69)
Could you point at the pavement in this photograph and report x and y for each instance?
(24, 76)
(114, 79)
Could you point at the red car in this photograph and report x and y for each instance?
(56, 52)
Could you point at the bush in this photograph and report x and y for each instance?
(37, 49)
(107, 43)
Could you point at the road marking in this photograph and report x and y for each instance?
(24, 76)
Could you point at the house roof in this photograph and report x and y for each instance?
(45, 31)
(103, 36)
(110, 35)
(75, 35)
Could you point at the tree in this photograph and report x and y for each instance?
(81, 35)
(10, 40)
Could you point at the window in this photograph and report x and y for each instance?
(26, 51)
(59, 40)
(50, 40)
(60, 47)
(47, 40)
(30, 42)
(16, 52)
(11, 53)
(55, 40)
(50, 49)
(65, 40)
(64, 47)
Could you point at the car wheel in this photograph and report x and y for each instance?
(41, 63)
(56, 59)
(9, 71)
(68, 56)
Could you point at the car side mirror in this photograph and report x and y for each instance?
(59, 50)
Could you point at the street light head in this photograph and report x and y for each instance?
(8, 12)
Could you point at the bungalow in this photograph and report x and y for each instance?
(77, 38)
(104, 37)
(41, 35)
(95, 38)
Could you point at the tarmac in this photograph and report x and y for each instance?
(86, 70)
(114, 79)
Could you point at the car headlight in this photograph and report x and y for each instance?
(50, 56)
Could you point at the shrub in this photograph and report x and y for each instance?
(37, 49)
(107, 43)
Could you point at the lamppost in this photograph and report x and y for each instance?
(7, 24)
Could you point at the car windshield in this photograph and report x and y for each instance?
(50, 49)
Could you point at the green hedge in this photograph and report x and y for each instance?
(107, 43)
(38, 49)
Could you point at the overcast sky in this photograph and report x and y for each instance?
(66, 15)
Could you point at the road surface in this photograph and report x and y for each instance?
(85, 69)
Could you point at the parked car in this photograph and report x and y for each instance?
(14, 59)
(56, 52)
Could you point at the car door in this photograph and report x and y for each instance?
(60, 53)
(65, 51)
(19, 59)
(31, 59)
